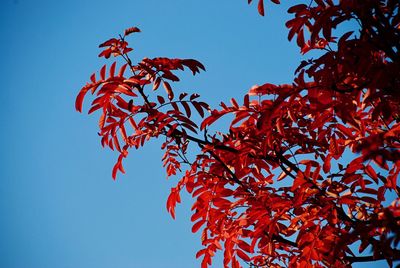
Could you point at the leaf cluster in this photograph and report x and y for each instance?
(307, 169)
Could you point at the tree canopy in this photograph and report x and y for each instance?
(307, 174)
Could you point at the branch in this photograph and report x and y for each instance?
(284, 240)
(233, 176)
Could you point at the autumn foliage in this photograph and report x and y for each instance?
(307, 174)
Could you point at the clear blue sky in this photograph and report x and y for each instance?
(59, 206)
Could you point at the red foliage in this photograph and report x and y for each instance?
(343, 105)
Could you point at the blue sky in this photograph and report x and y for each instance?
(59, 206)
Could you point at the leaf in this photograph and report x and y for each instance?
(334, 148)
(118, 167)
(114, 171)
(239, 116)
(103, 72)
(171, 201)
(197, 225)
(156, 83)
(243, 255)
(371, 173)
(109, 42)
(201, 252)
(193, 65)
(209, 120)
(94, 108)
(246, 101)
(316, 173)
(194, 96)
(199, 214)
(175, 106)
(298, 181)
(93, 78)
(168, 89)
(234, 103)
(300, 38)
(80, 97)
(125, 90)
(170, 76)
(282, 175)
(133, 124)
(261, 7)
(112, 69)
(131, 30)
(327, 164)
(116, 143)
(187, 108)
(354, 165)
(198, 108)
(182, 96)
(244, 245)
(344, 38)
(122, 70)
(297, 8)
(102, 120)
(345, 130)
(160, 99)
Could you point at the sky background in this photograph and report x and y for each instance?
(59, 206)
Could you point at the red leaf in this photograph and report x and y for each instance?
(102, 120)
(118, 166)
(371, 173)
(103, 72)
(209, 120)
(198, 108)
(197, 225)
(239, 116)
(243, 255)
(93, 78)
(244, 245)
(80, 97)
(194, 96)
(168, 89)
(115, 170)
(160, 99)
(94, 108)
(201, 252)
(131, 30)
(122, 70)
(354, 165)
(156, 83)
(327, 164)
(298, 181)
(112, 69)
(193, 65)
(234, 103)
(345, 130)
(246, 101)
(261, 7)
(300, 38)
(297, 8)
(187, 108)
(125, 90)
(109, 42)
(316, 172)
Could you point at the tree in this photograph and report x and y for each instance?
(332, 137)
